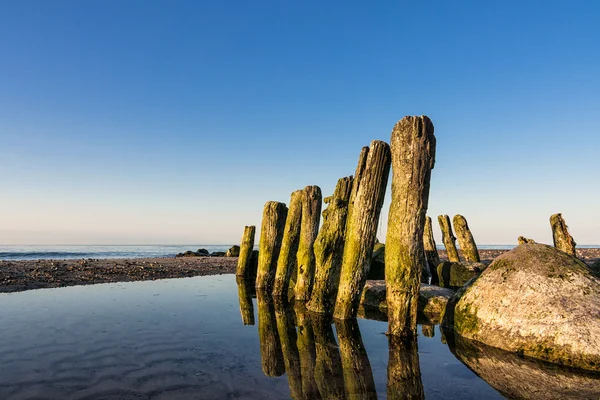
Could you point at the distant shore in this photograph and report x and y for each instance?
(16, 276)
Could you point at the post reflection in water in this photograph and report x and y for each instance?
(308, 352)
(358, 376)
(404, 373)
(270, 347)
(245, 291)
(328, 365)
(288, 338)
(428, 330)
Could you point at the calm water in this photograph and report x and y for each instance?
(194, 338)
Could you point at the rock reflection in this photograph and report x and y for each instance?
(358, 377)
(404, 373)
(523, 378)
(270, 346)
(245, 291)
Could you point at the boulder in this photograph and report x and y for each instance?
(188, 253)
(432, 300)
(217, 254)
(454, 275)
(596, 268)
(234, 251)
(203, 252)
(535, 301)
(377, 270)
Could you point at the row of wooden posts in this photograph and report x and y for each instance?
(328, 267)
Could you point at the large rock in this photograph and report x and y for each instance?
(432, 300)
(536, 301)
(454, 275)
(234, 251)
(596, 268)
(377, 269)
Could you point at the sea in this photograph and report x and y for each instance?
(63, 252)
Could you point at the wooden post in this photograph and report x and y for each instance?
(560, 233)
(246, 247)
(329, 248)
(468, 248)
(404, 373)
(413, 158)
(307, 351)
(311, 215)
(288, 338)
(358, 375)
(271, 234)
(448, 238)
(366, 199)
(245, 298)
(524, 240)
(328, 365)
(286, 263)
(431, 253)
(270, 346)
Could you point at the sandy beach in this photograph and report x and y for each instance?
(16, 276)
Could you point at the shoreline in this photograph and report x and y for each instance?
(22, 275)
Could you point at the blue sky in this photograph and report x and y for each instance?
(175, 121)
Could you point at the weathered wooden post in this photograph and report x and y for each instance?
(271, 234)
(329, 248)
(466, 242)
(328, 365)
(286, 263)
(245, 298)
(307, 351)
(431, 253)
(288, 338)
(404, 372)
(358, 375)
(448, 238)
(366, 199)
(524, 240)
(270, 346)
(311, 215)
(560, 233)
(245, 257)
(413, 158)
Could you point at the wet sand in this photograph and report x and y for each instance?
(16, 276)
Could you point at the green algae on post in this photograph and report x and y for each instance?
(448, 238)
(312, 201)
(466, 242)
(273, 223)
(329, 248)
(286, 263)
(561, 236)
(366, 200)
(413, 158)
(245, 257)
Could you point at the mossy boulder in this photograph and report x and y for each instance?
(535, 301)
(596, 268)
(377, 270)
(454, 275)
(234, 251)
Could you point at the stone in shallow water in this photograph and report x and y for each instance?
(536, 301)
(432, 300)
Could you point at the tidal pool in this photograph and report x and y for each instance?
(194, 338)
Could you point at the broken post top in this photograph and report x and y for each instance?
(410, 128)
(561, 236)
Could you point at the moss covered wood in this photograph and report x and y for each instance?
(286, 329)
(245, 298)
(413, 158)
(404, 372)
(307, 351)
(358, 375)
(561, 236)
(312, 200)
(286, 263)
(328, 364)
(245, 257)
(448, 238)
(270, 346)
(366, 200)
(431, 253)
(468, 248)
(524, 240)
(329, 248)
(271, 235)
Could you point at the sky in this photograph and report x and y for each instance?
(173, 122)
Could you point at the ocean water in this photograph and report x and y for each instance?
(211, 338)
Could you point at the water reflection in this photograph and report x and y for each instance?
(404, 373)
(270, 346)
(245, 291)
